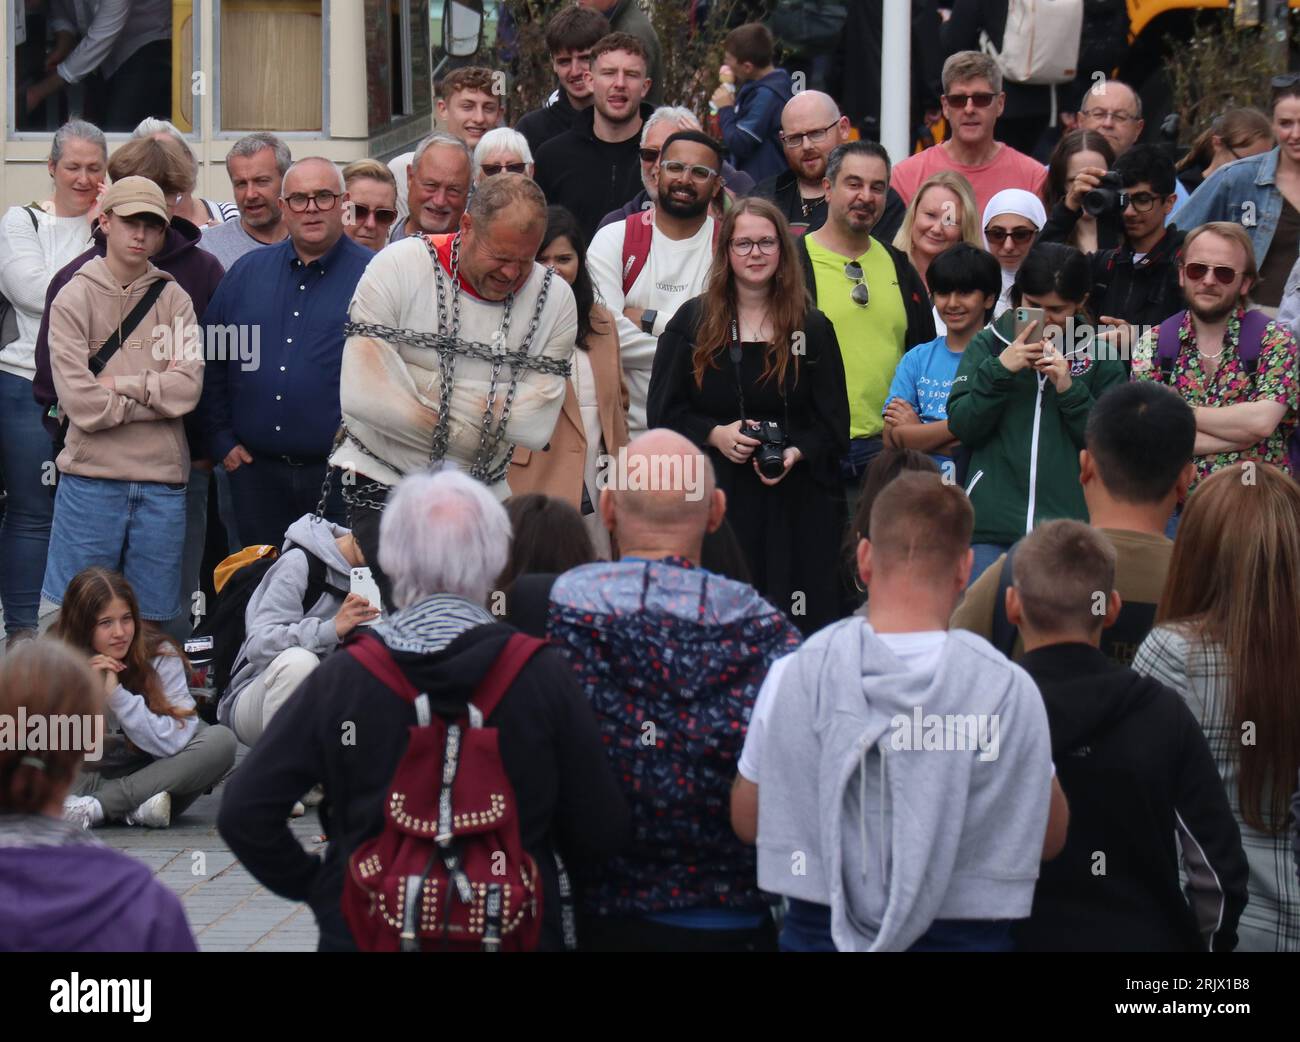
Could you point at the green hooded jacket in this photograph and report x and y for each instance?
(1024, 437)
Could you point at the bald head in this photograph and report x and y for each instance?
(1114, 110)
(313, 169)
(815, 104)
(810, 112)
(660, 496)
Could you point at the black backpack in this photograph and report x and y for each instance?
(214, 646)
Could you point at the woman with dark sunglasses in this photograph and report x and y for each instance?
(372, 203)
(1012, 221)
(502, 151)
(752, 371)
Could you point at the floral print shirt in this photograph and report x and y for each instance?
(1277, 378)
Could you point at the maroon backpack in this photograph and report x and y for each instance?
(448, 872)
(638, 233)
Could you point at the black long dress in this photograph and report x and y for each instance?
(792, 533)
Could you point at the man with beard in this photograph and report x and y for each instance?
(256, 165)
(593, 167)
(811, 129)
(869, 290)
(1203, 352)
(645, 285)
(437, 185)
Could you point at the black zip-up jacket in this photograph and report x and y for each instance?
(916, 301)
(551, 120)
(1141, 783)
(589, 176)
(566, 794)
(783, 189)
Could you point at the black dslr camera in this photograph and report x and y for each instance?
(770, 453)
(1107, 198)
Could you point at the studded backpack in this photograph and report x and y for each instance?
(448, 872)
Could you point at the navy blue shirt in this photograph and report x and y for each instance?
(273, 334)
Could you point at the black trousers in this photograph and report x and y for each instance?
(598, 934)
(271, 493)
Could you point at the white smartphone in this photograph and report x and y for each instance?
(363, 583)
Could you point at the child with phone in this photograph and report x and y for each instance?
(1020, 402)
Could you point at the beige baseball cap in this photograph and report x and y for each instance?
(132, 196)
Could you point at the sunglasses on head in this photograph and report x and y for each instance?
(1019, 236)
(859, 294)
(492, 169)
(1223, 274)
(361, 213)
(982, 99)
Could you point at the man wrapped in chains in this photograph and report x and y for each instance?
(458, 349)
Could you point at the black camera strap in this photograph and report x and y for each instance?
(734, 350)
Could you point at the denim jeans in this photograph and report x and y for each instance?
(985, 555)
(25, 450)
(271, 494)
(134, 527)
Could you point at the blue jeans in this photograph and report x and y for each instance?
(25, 451)
(133, 527)
(985, 555)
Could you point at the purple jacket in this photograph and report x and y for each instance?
(197, 272)
(86, 898)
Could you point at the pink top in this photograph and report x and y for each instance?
(1007, 169)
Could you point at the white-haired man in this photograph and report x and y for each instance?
(446, 539)
(502, 150)
(434, 188)
(270, 405)
(459, 349)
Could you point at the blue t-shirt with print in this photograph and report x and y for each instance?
(923, 379)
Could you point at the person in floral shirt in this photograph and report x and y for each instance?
(1239, 416)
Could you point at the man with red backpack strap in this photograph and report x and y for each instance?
(438, 686)
(1237, 368)
(648, 265)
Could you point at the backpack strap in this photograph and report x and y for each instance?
(508, 665)
(638, 233)
(104, 355)
(1250, 339)
(1003, 635)
(371, 652)
(318, 582)
(1167, 344)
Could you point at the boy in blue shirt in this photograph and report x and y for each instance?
(964, 283)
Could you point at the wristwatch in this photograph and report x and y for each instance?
(648, 320)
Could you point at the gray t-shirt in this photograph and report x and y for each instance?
(228, 242)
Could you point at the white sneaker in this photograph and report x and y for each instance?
(153, 813)
(298, 809)
(85, 811)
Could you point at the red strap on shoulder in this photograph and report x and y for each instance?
(638, 232)
(514, 656)
(370, 651)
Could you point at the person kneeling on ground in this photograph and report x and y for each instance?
(165, 757)
(284, 643)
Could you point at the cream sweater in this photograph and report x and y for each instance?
(390, 392)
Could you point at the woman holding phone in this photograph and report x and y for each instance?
(1020, 402)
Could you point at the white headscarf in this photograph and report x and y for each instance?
(1023, 204)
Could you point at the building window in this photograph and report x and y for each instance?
(271, 65)
(81, 58)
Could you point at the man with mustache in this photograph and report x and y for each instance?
(811, 129)
(869, 290)
(973, 100)
(437, 187)
(570, 36)
(594, 166)
(676, 265)
(1204, 352)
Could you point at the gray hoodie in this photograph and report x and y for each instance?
(274, 621)
(858, 811)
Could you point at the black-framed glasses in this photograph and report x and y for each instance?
(675, 168)
(815, 137)
(766, 246)
(361, 213)
(981, 99)
(1142, 202)
(492, 169)
(1223, 274)
(324, 200)
(649, 155)
(1019, 236)
(1101, 115)
(859, 294)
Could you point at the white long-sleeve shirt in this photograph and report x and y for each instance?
(159, 736)
(675, 272)
(116, 31)
(30, 257)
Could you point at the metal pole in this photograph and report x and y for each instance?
(896, 79)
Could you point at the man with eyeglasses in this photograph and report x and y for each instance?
(592, 167)
(1238, 369)
(274, 335)
(1134, 284)
(811, 129)
(570, 36)
(870, 292)
(972, 100)
(644, 278)
(1113, 109)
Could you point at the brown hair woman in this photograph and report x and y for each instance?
(752, 371)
